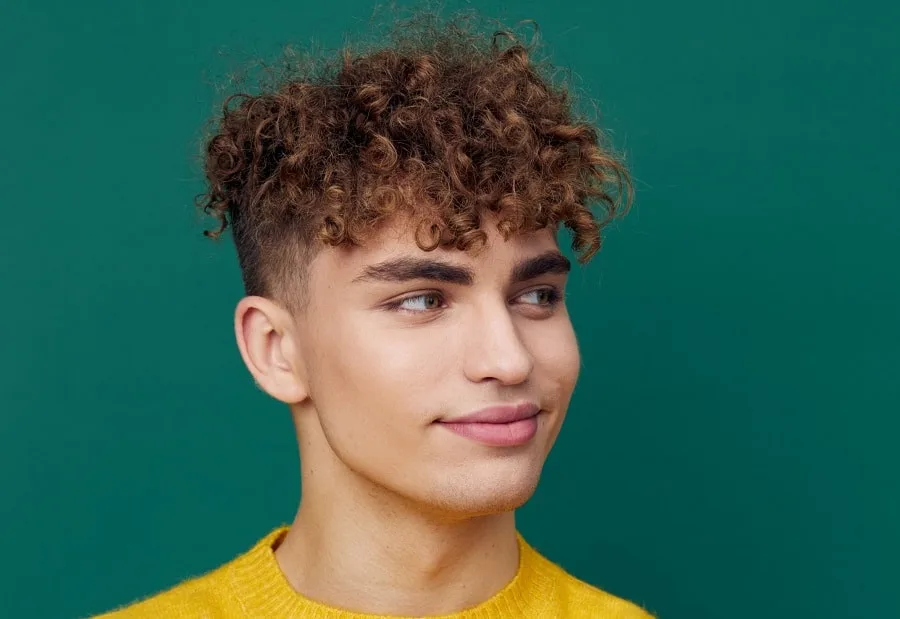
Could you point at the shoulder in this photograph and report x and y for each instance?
(212, 595)
(581, 600)
(585, 600)
(202, 596)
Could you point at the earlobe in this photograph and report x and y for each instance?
(266, 343)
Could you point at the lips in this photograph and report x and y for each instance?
(505, 413)
(498, 426)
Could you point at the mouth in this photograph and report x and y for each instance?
(497, 426)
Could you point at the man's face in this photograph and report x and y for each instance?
(399, 344)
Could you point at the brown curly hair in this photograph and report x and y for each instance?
(442, 124)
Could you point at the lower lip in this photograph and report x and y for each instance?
(497, 434)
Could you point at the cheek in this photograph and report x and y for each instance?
(375, 389)
(556, 355)
(385, 373)
(397, 361)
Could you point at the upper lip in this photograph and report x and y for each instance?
(503, 413)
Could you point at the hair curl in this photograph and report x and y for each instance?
(443, 124)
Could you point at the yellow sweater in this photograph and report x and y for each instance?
(252, 585)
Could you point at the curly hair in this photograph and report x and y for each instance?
(442, 124)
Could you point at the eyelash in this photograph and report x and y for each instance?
(555, 296)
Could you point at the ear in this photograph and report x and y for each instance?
(267, 341)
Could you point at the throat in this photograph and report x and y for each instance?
(400, 570)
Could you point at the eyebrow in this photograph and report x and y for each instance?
(543, 264)
(407, 268)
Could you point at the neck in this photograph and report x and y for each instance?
(358, 546)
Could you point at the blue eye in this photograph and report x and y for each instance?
(420, 302)
(432, 301)
(542, 296)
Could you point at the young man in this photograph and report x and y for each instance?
(396, 218)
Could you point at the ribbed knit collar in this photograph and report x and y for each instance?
(263, 591)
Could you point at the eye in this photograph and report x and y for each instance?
(419, 303)
(546, 297)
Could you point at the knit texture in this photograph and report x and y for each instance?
(253, 585)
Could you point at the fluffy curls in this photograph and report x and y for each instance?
(442, 124)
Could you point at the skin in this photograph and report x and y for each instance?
(400, 515)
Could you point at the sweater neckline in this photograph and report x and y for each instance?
(263, 590)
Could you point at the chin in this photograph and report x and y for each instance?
(483, 493)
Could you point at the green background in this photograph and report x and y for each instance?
(731, 449)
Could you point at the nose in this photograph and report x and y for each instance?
(495, 349)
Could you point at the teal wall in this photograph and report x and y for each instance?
(731, 449)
